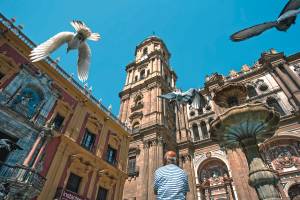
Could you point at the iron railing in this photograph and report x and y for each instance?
(10, 26)
(22, 175)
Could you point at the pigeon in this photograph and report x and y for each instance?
(9, 145)
(286, 18)
(191, 97)
(75, 41)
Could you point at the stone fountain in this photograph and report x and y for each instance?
(245, 125)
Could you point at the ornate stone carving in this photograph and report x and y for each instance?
(214, 78)
(233, 74)
(230, 94)
(245, 68)
(284, 157)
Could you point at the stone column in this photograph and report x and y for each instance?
(144, 177)
(152, 168)
(284, 88)
(160, 152)
(290, 84)
(33, 149)
(293, 76)
(187, 167)
(207, 194)
(261, 177)
(229, 191)
(198, 193)
(207, 128)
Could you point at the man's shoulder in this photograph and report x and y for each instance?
(169, 167)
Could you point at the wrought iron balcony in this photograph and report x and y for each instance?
(21, 181)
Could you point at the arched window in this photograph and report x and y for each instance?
(272, 102)
(138, 100)
(136, 126)
(27, 101)
(204, 130)
(211, 173)
(196, 132)
(200, 111)
(251, 91)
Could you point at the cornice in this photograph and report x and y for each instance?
(152, 82)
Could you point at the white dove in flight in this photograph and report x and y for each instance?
(74, 41)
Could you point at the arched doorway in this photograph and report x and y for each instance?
(214, 180)
(294, 192)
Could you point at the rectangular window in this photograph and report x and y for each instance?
(102, 194)
(73, 183)
(136, 78)
(111, 155)
(88, 140)
(58, 121)
(142, 74)
(132, 166)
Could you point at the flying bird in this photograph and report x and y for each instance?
(74, 41)
(9, 145)
(286, 18)
(191, 97)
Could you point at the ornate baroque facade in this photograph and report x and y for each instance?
(69, 145)
(214, 172)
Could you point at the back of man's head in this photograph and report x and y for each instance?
(170, 157)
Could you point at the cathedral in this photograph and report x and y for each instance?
(214, 171)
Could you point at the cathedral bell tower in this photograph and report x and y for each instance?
(152, 119)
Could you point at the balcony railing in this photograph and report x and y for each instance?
(22, 180)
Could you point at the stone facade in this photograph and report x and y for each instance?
(69, 145)
(214, 171)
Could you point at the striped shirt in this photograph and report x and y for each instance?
(171, 183)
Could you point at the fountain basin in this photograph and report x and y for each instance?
(252, 120)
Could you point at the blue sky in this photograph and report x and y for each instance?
(196, 33)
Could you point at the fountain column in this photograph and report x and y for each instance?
(246, 125)
(261, 177)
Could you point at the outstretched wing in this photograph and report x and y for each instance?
(169, 96)
(287, 22)
(84, 58)
(188, 95)
(43, 50)
(252, 31)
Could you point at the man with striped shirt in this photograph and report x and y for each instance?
(170, 182)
